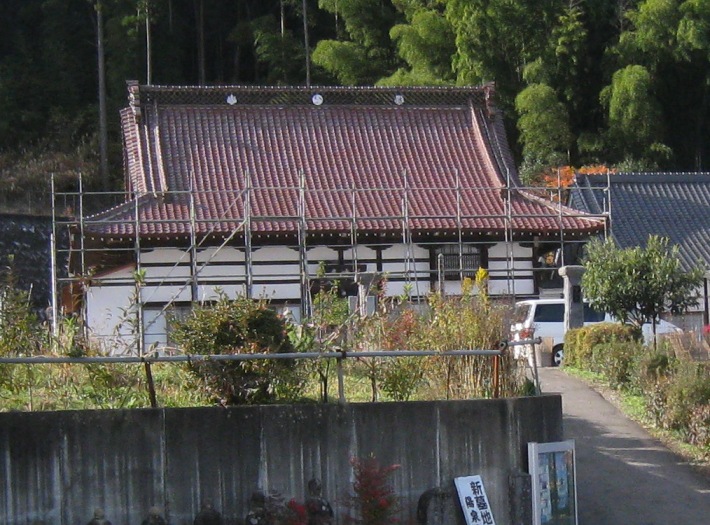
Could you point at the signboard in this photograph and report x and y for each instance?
(554, 483)
(474, 501)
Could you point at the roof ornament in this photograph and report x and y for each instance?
(134, 98)
(317, 99)
(231, 99)
(399, 99)
(489, 91)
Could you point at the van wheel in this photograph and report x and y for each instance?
(558, 354)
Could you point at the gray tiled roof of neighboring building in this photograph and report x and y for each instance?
(673, 205)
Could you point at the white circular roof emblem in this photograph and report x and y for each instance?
(317, 99)
(399, 100)
(231, 100)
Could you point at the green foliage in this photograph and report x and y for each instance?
(615, 361)
(329, 309)
(401, 377)
(688, 388)
(652, 32)
(699, 427)
(675, 391)
(21, 333)
(368, 53)
(575, 48)
(242, 326)
(281, 53)
(544, 126)
(114, 386)
(347, 62)
(694, 30)
(634, 115)
(588, 347)
(574, 356)
(636, 285)
(470, 321)
(425, 43)
(494, 39)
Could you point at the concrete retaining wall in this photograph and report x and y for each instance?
(55, 468)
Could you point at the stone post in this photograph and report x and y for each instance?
(574, 306)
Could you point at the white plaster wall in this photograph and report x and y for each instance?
(168, 282)
(109, 317)
(208, 293)
(163, 293)
(155, 328)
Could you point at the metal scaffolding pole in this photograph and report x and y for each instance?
(81, 225)
(82, 258)
(559, 219)
(248, 274)
(138, 285)
(193, 245)
(510, 248)
(302, 249)
(353, 232)
(459, 227)
(53, 264)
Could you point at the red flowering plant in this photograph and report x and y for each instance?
(295, 513)
(374, 501)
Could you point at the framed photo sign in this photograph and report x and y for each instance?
(554, 483)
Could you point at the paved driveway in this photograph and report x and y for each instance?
(625, 476)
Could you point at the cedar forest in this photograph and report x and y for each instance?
(618, 83)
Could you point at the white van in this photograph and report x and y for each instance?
(545, 318)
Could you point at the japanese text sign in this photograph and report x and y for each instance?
(474, 501)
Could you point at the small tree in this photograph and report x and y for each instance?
(242, 326)
(375, 501)
(636, 285)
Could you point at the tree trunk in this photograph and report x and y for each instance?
(148, 53)
(700, 124)
(200, 21)
(306, 44)
(103, 125)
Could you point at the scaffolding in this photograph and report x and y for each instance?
(418, 274)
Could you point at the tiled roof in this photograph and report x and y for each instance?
(363, 157)
(673, 205)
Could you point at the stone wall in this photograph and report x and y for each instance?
(25, 248)
(56, 468)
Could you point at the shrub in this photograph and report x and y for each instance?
(676, 392)
(615, 361)
(602, 333)
(652, 377)
(468, 321)
(573, 352)
(581, 342)
(374, 501)
(699, 426)
(401, 377)
(688, 389)
(242, 326)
